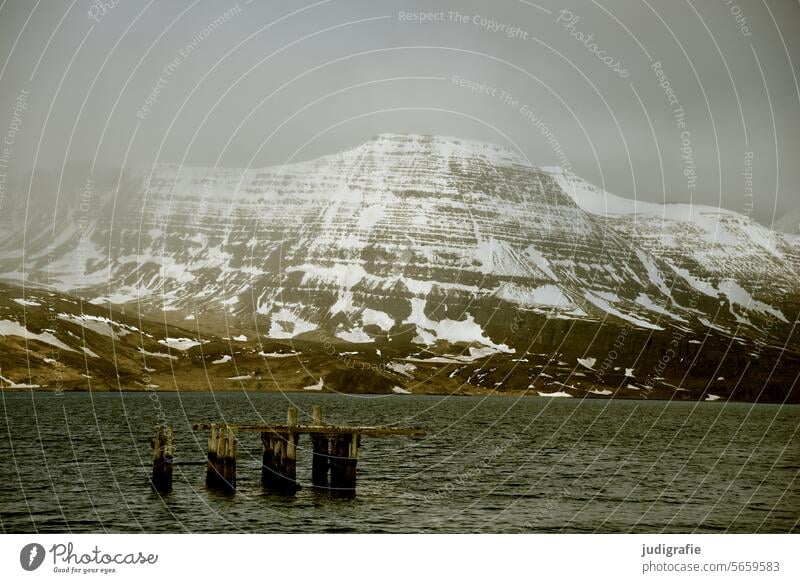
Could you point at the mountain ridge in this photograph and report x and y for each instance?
(425, 241)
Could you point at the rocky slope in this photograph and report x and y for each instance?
(420, 263)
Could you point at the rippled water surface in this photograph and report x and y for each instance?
(81, 462)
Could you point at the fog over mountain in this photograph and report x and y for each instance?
(587, 200)
(251, 84)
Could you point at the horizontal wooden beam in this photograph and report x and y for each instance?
(371, 431)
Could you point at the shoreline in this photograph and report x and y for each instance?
(509, 394)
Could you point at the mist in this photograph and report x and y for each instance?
(658, 101)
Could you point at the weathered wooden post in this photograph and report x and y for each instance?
(290, 461)
(343, 460)
(279, 465)
(212, 474)
(320, 452)
(227, 451)
(162, 459)
(221, 467)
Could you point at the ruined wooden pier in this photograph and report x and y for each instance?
(333, 461)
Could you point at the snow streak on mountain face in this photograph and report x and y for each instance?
(410, 230)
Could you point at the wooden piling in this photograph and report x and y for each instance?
(279, 464)
(335, 452)
(320, 452)
(229, 460)
(212, 475)
(211, 466)
(162, 459)
(221, 466)
(343, 460)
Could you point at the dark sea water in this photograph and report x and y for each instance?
(80, 462)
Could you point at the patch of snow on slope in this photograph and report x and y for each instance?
(277, 354)
(343, 276)
(466, 330)
(179, 343)
(222, 360)
(592, 199)
(703, 287)
(606, 307)
(157, 354)
(370, 216)
(24, 302)
(403, 368)
(587, 362)
(540, 261)
(122, 295)
(316, 387)
(497, 258)
(400, 390)
(546, 295)
(344, 303)
(644, 300)
(738, 295)
(10, 328)
(374, 317)
(356, 336)
(285, 324)
(99, 324)
(653, 273)
(12, 385)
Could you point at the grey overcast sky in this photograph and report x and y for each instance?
(129, 82)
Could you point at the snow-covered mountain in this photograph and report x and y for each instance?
(434, 243)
